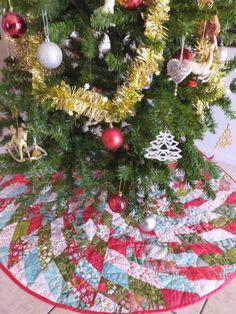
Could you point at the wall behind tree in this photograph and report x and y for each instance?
(227, 154)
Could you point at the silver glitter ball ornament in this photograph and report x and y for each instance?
(49, 55)
(149, 223)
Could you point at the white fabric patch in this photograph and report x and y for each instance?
(58, 243)
(90, 229)
(57, 225)
(204, 286)
(40, 286)
(119, 260)
(7, 234)
(18, 271)
(217, 234)
(220, 199)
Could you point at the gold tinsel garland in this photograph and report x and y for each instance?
(202, 50)
(205, 3)
(90, 103)
(24, 50)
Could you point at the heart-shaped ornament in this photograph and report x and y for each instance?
(178, 70)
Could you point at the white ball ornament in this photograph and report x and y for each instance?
(149, 223)
(49, 55)
(104, 46)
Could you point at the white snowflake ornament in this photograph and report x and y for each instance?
(164, 148)
(87, 86)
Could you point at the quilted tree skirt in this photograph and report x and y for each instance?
(89, 259)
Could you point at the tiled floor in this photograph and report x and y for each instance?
(13, 300)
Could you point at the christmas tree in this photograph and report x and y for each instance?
(90, 83)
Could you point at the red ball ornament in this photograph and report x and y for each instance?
(192, 83)
(118, 203)
(14, 25)
(187, 54)
(133, 4)
(112, 138)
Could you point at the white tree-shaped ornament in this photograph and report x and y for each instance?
(164, 148)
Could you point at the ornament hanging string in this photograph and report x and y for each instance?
(121, 188)
(182, 48)
(45, 25)
(204, 29)
(10, 6)
(181, 59)
(15, 115)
